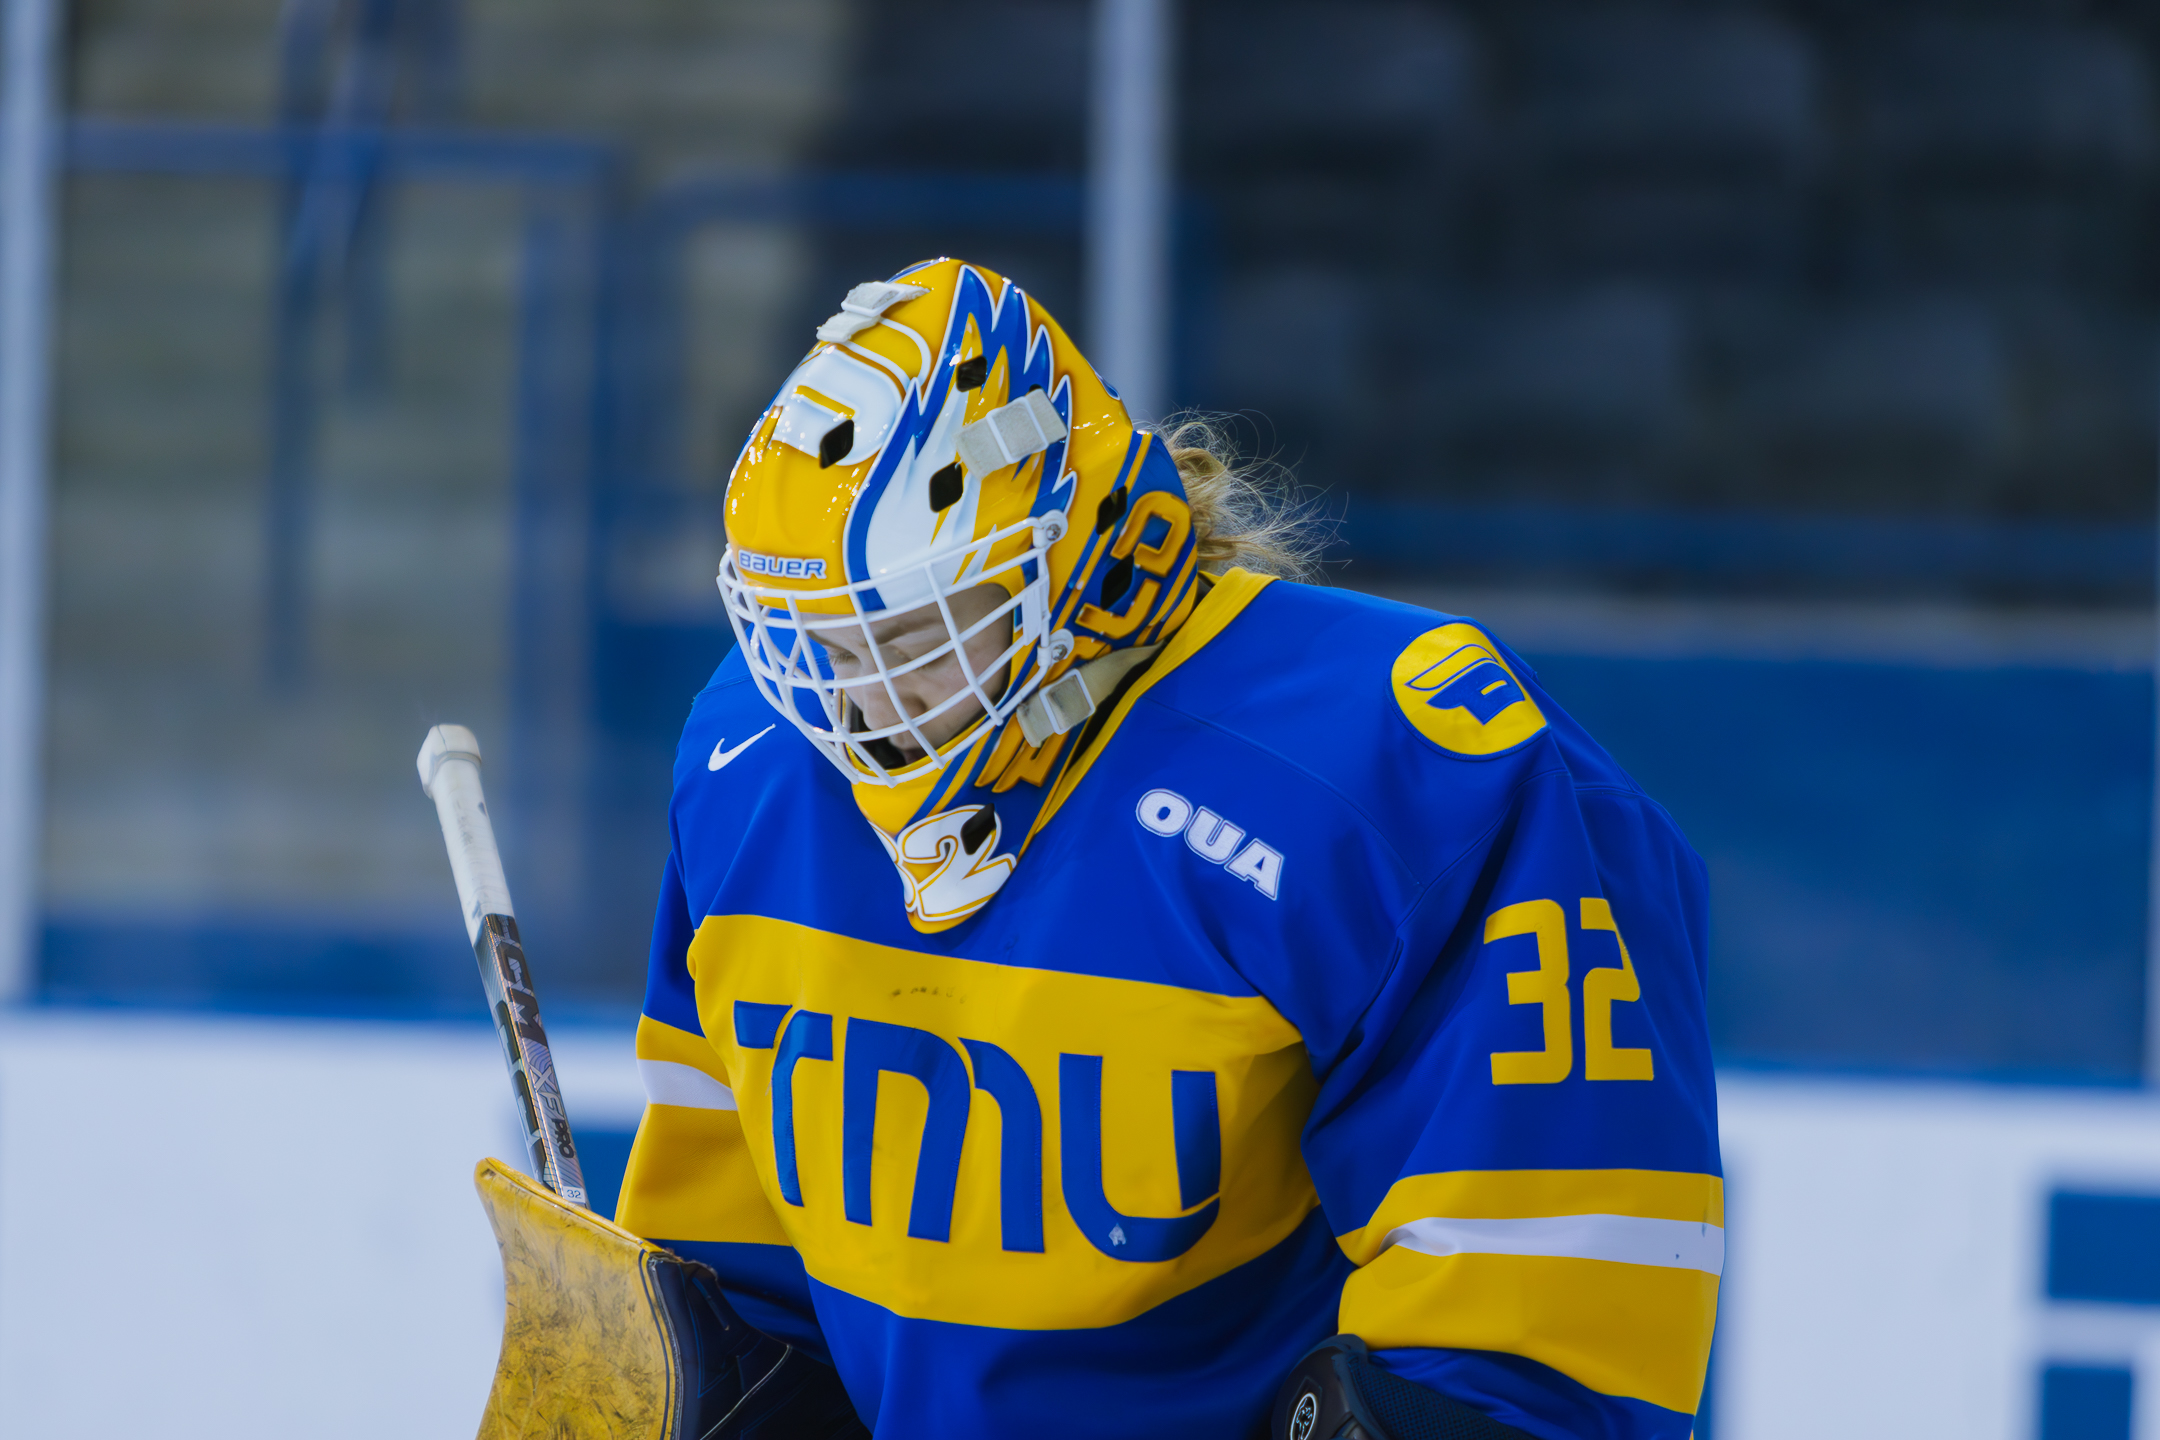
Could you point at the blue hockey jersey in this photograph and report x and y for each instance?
(1344, 985)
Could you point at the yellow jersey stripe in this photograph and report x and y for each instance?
(1635, 1331)
(690, 1177)
(1537, 1194)
(1137, 1033)
(658, 1040)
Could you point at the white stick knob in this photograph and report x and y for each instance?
(450, 774)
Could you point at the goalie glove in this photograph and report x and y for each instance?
(1336, 1392)
(605, 1333)
(748, 1387)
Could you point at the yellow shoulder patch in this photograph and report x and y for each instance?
(1457, 692)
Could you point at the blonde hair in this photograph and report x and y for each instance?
(1248, 513)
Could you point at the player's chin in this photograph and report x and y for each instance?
(902, 748)
(941, 732)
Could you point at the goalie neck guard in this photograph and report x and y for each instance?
(943, 435)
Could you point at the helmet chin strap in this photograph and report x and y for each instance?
(1067, 702)
(1063, 705)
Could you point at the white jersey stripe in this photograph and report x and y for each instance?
(1627, 1239)
(670, 1083)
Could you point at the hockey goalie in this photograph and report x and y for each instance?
(1103, 986)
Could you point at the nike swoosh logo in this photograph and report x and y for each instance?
(721, 754)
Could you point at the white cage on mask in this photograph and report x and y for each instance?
(793, 671)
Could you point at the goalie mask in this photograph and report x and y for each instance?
(946, 463)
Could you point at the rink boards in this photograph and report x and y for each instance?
(253, 1227)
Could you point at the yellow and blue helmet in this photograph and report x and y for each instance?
(943, 434)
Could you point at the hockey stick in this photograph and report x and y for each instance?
(450, 774)
(606, 1336)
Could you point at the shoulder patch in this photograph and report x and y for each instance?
(1457, 692)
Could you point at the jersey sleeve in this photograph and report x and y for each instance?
(1518, 1150)
(690, 1184)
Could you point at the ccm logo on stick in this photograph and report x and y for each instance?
(1213, 839)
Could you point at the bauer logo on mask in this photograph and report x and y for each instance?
(945, 439)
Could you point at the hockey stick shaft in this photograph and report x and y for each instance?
(450, 774)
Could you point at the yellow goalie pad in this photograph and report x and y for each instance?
(588, 1347)
(609, 1337)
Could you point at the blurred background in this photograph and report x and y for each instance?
(1779, 378)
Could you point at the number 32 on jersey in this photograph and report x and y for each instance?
(1602, 988)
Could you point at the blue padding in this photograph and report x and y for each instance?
(2079, 1402)
(2104, 1247)
(262, 965)
(645, 677)
(1887, 846)
(1890, 848)
(1749, 547)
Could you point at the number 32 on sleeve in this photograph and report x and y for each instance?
(1547, 986)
